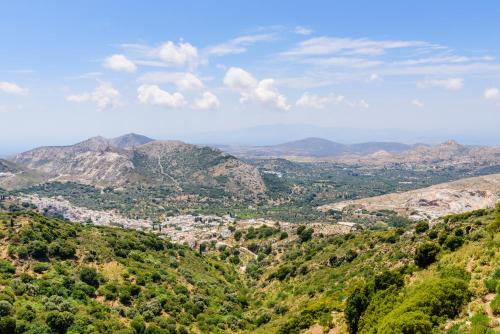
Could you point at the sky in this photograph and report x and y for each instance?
(75, 69)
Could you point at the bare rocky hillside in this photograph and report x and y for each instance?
(432, 202)
(135, 160)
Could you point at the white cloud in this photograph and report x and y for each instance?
(442, 69)
(449, 84)
(239, 79)
(314, 101)
(152, 94)
(182, 54)
(364, 46)
(362, 104)
(374, 77)
(250, 89)
(308, 100)
(120, 63)
(268, 94)
(344, 62)
(12, 88)
(443, 59)
(206, 101)
(492, 94)
(302, 30)
(417, 103)
(183, 80)
(104, 96)
(238, 44)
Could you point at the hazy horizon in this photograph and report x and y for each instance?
(273, 134)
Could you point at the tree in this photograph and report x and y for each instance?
(425, 254)
(7, 325)
(357, 303)
(421, 227)
(138, 325)
(453, 242)
(305, 234)
(60, 321)
(89, 276)
(5, 308)
(411, 322)
(38, 249)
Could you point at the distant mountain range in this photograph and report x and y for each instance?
(448, 154)
(137, 161)
(134, 160)
(274, 134)
(315, 147)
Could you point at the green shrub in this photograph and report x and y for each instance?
(62, 249)
(492, 281)
(410, 322)
(40, 267)
(5, 308)
(138, 325)
(6, 267)
(26, 313)
(453, 242)
(59, 322)
(426, 254)
(434, 299)
(359, 300)
(7, 325)
(38, 249)
(304, 234)
(495, 304)
(89, 276)
(421, 227)
(479, 323)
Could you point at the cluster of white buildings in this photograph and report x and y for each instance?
(190, 229)
(62, 207)
(180, 229)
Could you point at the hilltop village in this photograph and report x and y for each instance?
(182, 229)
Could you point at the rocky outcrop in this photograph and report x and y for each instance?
(432, 202)
(132, 159)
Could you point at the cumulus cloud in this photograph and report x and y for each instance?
(12, 88)
(492, 94)
(207, 100)
(104, 96)
(238, 79)
(449, 84)
(374, 77)
(181, 54)
(252, 90)
(238, 44)
(302, 30)
(183, 80)
(308, 100)
(417, 103)
(120, 63)
(154, 95)
(314, 101)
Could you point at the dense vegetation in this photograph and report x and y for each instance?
(60, 277)
(294, 190)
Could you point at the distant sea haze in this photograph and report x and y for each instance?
(273, 134)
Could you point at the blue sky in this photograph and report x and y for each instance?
(70, 70)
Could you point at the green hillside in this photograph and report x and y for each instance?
(59, 277)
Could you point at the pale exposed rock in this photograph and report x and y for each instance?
(435, 201)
